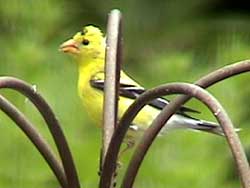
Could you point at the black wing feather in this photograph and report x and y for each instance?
(132, 92)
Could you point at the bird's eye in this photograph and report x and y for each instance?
(85, 42)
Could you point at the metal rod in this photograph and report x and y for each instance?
(111, 86)
(129, 115)
(40, 143)
(161, 120)
(112, 78)
(51, 121)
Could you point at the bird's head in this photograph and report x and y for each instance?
(86, 44)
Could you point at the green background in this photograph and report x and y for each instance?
(164, 41)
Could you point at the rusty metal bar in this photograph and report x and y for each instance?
(129, 115)
(223, 73)
(40, 143)
(161, 120)
(53, 125)
(112, 77)
(111, 87)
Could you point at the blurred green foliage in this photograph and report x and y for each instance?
(165, 41)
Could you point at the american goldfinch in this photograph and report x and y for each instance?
(88, 49)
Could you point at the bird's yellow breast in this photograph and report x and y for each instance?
(92, 98)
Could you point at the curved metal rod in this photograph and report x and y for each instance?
(161, 120)
(52, 122)
(31, 132)
(222, 74)
(129, 115)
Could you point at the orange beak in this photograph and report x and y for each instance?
(70, 46)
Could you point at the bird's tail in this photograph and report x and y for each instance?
(207, 126)
(197, 124)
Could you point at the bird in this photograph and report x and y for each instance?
(87, 47)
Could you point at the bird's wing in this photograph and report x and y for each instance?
(133, 90)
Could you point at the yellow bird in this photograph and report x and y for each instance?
(88, 49)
